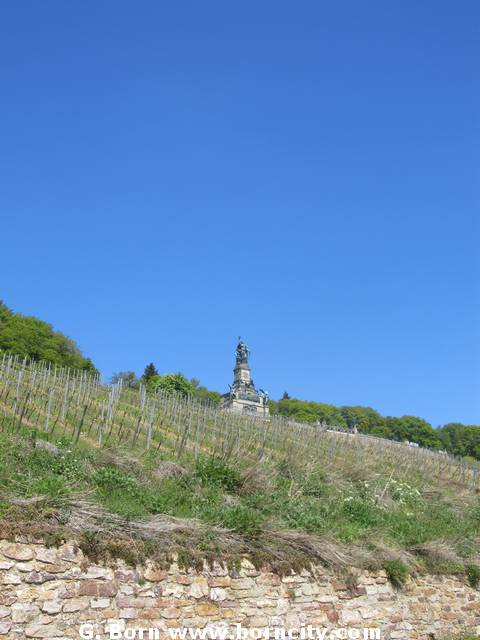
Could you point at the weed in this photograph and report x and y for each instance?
(241, 519)
(213, 471)
(291, 594)
(473, 575)
(53, 539)
(315, 485)
(90, 545)
(397, 572)
(444, 567)
(125, 550)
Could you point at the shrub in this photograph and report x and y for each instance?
(90, 545)
(315, 486)
(241, 519)
(112, 478)
(119, 492)
(473, 575)
(66, 464)
(361, 511)
(215, 472)
(173, 496)
(397, 572)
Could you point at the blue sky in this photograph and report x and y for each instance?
(303, 174)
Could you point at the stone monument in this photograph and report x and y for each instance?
(243, 397)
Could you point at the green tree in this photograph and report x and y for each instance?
(128, 379)
(365, 419)
(202, 393)
(413, 429)
(306, 411)
(172, 383)
(461, 439)
(28, 336)
(149, 371)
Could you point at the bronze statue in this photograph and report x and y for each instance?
(242, 352)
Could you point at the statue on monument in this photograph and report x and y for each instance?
(242, 352)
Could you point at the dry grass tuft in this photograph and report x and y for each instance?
(327, 552)
(22, 502)
(437, 551)
(257, 479)
(168, 470)
(115, 458)
(84, 515)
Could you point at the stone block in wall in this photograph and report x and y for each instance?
(218, 594)
(43, 631)
(52, 606)
(99, 603)
(155, 575)
(199, 588)
(24, 612)
(15, 551)
(5, 626)
(219, 581)
(75, 604)
(207, 609)
(242, 583)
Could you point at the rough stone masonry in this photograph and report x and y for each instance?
(50, 592)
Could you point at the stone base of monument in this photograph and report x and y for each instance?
(249, 407)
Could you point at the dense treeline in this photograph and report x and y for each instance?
(456, 438)
(34, 338)
(461, 439)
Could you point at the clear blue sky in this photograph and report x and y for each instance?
(305, 174)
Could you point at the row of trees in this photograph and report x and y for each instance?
(456, 438)
(28, 336)
(461, 439)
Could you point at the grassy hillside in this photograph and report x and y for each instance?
(134, 474)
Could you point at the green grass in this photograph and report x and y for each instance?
(351, 510)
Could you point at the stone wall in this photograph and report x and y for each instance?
(50, 592)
